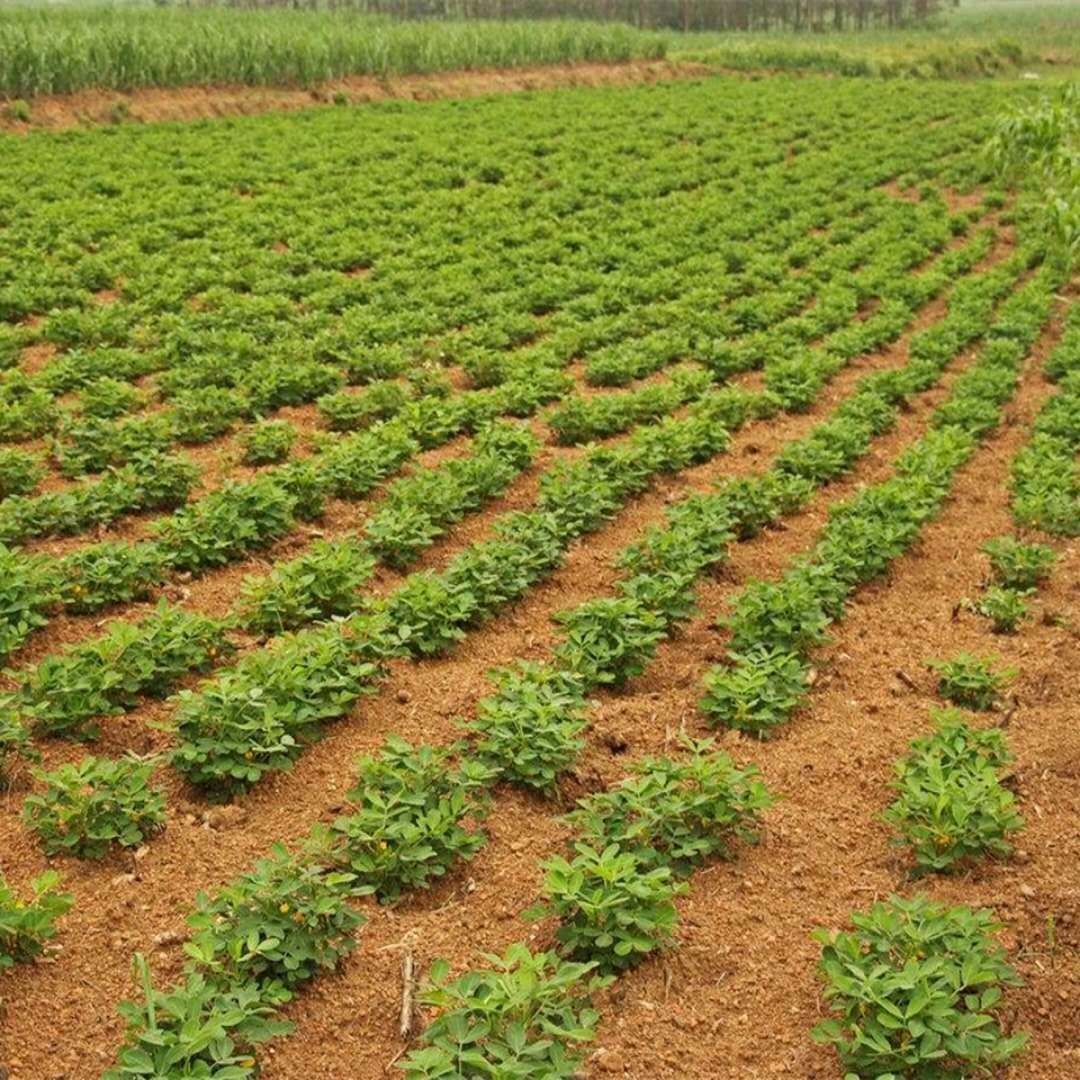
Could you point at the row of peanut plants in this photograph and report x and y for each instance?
(64, 695)
(112, 572)
(410, 805)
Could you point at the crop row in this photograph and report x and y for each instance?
(613, 905)
(125, 572)
(613, 898)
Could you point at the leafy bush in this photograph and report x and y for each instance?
(278, 925)
(14, 741)
(25, 926)
(1015, 565)
(428, 613)
(785, 616)
(350, 411)
(612, 908)
(203, 413)
(951, 804)
(757, 691)
(267, 442)
(198, 1029)
(529, 731)
(323, 582)
(89, 807)
(112, 572)
(970, 681)
(677, 813)
(418, 508)
(20, 472)
(353, 466)
(106, 398)
(525, 1016)
(406, 821)
(227, 523)
(27, 590)
(609, 640)
(65, 693)
(151, 481)
(1005, 608)
(913, 990)
(754, 502)
(269, 384)
(256, 716)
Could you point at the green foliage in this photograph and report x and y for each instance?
(234, 519)
(20, 472)
(407, 817)
(27, 590)
(1041, 143)
(756, 501)
(89, 807)
(757, 691)
(87, 444)
(277, 926)
(527, 1015)
(112, 572)
(205, 412)
(351, 411)
(107, 398)
(25, 926)
(65, 693)
(609, 640)
(126, 48)
(198, 1029)
(267, 442)
(428, 614)
(420, 507)
(951, 804)
(914, 991)
(677, 812)
(613, 909)
(786, 616)
(971, 681)
(1016, 565)
(14, 741)
(257, 716)
(323, 582)
(1005, 608)
(530, 729)
(150, 481)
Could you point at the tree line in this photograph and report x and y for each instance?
(808, 15)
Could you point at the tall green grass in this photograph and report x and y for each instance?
(59, 50)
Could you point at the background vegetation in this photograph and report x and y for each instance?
(66, 47)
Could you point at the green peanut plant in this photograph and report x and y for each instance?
(26, 926)
(676, 813)
(89, 807)
(526, 1015)
(914, 990)
(971, 681)
(407, 817)
(613, 909)
(951, 804)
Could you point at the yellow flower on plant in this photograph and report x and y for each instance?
(284, 908)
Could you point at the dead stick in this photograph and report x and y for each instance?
(906, 679)
(408, 983)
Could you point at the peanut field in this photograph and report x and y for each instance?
(569, 583)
